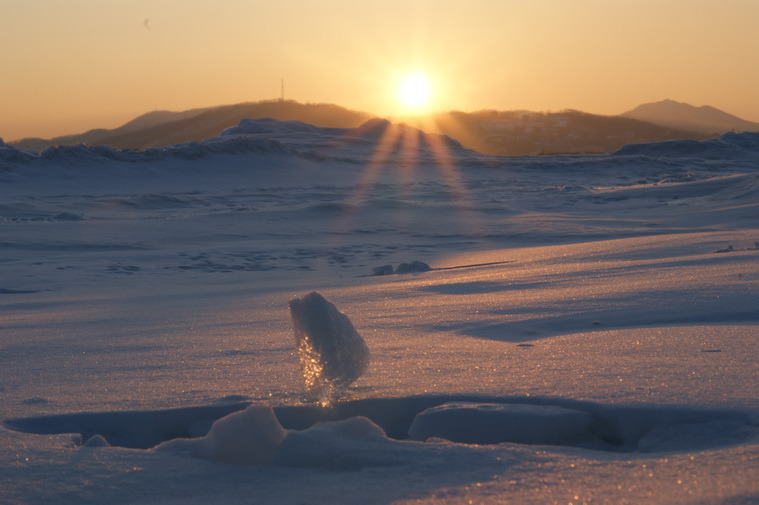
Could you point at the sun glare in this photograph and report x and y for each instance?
(414, 91)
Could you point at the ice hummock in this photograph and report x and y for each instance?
(332, 353)
(247, 437)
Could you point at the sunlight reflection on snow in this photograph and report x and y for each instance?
(332, 353)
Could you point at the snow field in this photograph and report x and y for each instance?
(594, 315)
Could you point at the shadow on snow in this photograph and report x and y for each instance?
(612, 428)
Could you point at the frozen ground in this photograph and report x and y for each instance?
(591, 321)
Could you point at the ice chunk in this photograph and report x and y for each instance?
(246, 437)
(332, 353)
(493, 423)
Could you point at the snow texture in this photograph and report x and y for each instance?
(600, 306)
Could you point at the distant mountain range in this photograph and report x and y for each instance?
(160, 128)
(490, 131)
(683, 116)
(518, 133)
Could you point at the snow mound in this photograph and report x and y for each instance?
(332, 353)
(349, 444)
(493, 423)
(414, 266)
(729, 145)
(8, 153)
(383, 270)
(83, 153)
(96, 441)
(247, 437)
(227, 145)
(254, 436)
(268, 126)
(402, 268)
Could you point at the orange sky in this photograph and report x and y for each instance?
(73, 65)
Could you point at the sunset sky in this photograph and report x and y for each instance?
(72, 65)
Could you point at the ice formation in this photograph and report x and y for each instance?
(493, 423)
(332, 353)
(247, 437)
(349, 444)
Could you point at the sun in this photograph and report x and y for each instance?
(414, 91)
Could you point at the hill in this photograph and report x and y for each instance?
(95, 137)
(505, 133)
(516, 133)
(162, 128)
(705, 119)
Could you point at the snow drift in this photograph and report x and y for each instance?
(248, 437)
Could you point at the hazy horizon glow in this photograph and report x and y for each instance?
(81, 64)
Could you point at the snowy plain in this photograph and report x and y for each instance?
(588, 331)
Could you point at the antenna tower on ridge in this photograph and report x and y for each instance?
(282, 98)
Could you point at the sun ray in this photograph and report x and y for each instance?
(402, 156)
(410, 153)
(401, 151)
(366, 183)
(451, 176)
